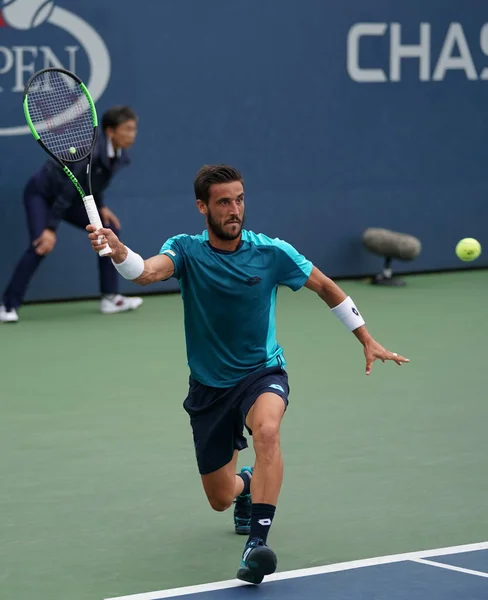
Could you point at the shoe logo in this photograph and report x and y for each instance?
(275, 386)
(253, 281)
(246, 553)
(265, 522)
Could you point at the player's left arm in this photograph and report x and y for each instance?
(344, 308)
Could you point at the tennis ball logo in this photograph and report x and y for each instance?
(26, 14)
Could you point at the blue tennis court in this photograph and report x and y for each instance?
(455, 573)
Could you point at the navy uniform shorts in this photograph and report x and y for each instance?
(218, 415)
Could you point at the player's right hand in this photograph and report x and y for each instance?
(99, 238)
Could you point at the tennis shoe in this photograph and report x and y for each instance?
(116, 303)
(243, 509)
(257, 561)
(8, 316)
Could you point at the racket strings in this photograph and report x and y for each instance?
(61, 115)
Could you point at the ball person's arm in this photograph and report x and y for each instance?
(156, 268)
(334, 296)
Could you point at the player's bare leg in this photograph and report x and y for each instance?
(222, 486)
(264, 420)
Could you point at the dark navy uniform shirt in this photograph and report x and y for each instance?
(55, 187)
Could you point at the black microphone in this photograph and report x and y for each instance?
(390, 245)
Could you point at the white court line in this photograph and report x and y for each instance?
(344, 566)
(432, 563)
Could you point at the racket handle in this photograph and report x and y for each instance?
(94, 218)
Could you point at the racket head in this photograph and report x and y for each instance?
(61, 114)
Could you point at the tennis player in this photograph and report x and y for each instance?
(229, 279)
(50, 197)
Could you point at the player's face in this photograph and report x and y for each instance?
(225, 210)
(124, 135)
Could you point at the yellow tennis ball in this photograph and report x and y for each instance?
(468, 249)
(72, 150)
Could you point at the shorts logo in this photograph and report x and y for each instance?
(275, 386)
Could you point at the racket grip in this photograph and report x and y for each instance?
(94, 218)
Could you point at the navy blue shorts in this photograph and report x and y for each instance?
(218, 415)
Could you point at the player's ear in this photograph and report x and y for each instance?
(202, 207)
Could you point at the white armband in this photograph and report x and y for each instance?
(132, 267)
(348, 314)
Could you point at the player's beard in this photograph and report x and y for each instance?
(219, 231)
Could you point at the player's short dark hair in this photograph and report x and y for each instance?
(210, 174)
(117, 115)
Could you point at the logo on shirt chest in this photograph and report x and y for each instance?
(253, 281)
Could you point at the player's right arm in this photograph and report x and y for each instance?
(156, 268)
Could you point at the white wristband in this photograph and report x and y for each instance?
(348, 314)
(132, 267)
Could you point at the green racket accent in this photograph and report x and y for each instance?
(74, 181)
(91, 103)
(29, 120)
(61, 114)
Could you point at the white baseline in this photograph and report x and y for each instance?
(344, 566)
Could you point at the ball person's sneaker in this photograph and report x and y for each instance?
(8, 316)
(116, 303)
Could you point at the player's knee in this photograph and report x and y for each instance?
(220, 502)
(266, 436)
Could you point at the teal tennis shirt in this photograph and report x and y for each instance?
(229, 302)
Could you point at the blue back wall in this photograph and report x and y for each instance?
(333, 128)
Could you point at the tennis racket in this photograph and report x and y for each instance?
(63, 119)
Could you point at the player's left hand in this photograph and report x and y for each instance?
(109, 218)
(374, 351)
